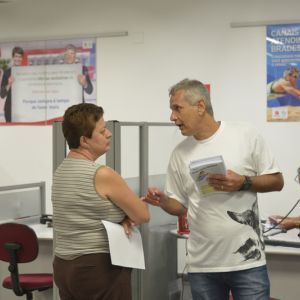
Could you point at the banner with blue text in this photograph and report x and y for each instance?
(283, 65)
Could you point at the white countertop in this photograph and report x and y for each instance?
(282, 250)
(42, 231)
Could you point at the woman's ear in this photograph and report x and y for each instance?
(83, 141)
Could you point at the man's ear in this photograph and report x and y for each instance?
(201, 106)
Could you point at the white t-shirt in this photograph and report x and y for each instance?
(225, 232)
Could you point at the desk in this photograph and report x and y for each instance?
(284, 274)
(283, 266)
(181, 251)
(42, 231)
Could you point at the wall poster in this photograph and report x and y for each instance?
(283, 65)
(40, 79)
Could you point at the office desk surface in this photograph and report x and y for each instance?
(42, 231)
(290, 236)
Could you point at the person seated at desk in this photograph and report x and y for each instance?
(83, 194)
(289, 222)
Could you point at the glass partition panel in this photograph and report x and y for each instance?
(130, 151)
(162, 141)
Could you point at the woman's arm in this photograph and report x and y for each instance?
(112, 186)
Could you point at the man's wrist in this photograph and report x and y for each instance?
(247, 184)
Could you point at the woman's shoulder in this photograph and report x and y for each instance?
(107, 173)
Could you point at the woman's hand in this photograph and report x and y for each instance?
(127, 225)
(287, 224)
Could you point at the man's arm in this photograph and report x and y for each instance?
(232, 182)
(88, 87)
(158, 198)
(267, 183)
(5, 86)
(293, 91)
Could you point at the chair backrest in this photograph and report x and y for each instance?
(22, 235)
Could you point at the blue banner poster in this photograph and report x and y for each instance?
(39, 80)
(283, 65)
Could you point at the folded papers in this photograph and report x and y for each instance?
(201, 168)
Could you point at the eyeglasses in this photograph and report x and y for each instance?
(297, 179)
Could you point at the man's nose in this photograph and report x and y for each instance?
(173, 117)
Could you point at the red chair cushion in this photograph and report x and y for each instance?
(31, 281)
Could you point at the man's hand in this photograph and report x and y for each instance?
(10, 82)
(230, 182)
(155, 197)
(82, 80)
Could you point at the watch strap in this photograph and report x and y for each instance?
(246, 184)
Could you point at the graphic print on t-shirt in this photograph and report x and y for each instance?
(249, 217)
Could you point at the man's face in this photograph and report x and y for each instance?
(17, 59)
(70, 56)
(184, 115)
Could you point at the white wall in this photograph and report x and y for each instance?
(168, 41)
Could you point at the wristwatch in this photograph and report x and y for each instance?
(246, 184)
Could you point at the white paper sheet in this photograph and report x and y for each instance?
(125, 251)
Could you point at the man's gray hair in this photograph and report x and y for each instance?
(70, 47)
(194, 91)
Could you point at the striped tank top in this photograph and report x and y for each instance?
(78, 210)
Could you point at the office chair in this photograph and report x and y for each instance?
(19, 244)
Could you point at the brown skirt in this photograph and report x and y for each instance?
(91, 277)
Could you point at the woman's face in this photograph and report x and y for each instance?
(100, 140)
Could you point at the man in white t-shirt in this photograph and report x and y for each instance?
(225, 245)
